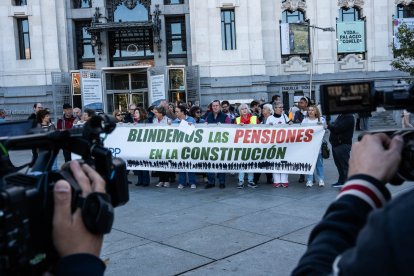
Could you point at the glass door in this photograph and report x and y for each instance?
(121, 102)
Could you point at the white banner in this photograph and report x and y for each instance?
(288, 149)
(157, 91)
(92, 93)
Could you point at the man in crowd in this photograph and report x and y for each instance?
(129, 117)
(275, 99)
(303, 105)
(225, 105)
(66, 122)
(255, 108)
(36, 108)
(342, 130)
(216, 117)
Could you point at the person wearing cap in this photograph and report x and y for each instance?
(66, 122)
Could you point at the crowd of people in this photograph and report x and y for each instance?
(270, 113)
(257, 112)
(336, 242)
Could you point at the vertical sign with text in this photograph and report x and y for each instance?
(157, 92)
(351, 36)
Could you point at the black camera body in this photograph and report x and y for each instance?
(354, 97)
(26, 199)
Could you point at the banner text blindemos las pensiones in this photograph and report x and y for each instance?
(219, 148)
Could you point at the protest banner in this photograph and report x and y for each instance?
(223, 148)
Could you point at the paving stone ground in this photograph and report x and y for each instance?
(263, 231)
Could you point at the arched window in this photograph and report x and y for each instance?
(405, 11)
(350, 31)
(294, 35)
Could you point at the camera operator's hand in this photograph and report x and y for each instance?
(376, 155)
(70, 235)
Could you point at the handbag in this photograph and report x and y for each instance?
(325, 150)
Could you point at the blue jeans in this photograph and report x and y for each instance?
(182, 178)
(318, 169)
(143, 177)
(212, 178)
(249, 177)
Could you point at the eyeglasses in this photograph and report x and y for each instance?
(279, 107)
(198, 112)
(118, 114)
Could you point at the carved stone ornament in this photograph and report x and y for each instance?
(294, 5)
(350, 3)
(296, 65)
(352, 63)
(404, 2)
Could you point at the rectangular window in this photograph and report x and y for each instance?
(173, 2)
(132, 44)
(24, 38)
(176, 37)
(82, 4)
(84, 50)
(20, 2)
(228, 30)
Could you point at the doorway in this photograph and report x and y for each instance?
(126, 87)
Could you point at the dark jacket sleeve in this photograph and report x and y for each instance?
(343, 125)
(79, 265)
(341, 225)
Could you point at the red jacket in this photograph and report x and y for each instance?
(67, 123)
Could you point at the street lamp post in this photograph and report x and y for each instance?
(313, 27)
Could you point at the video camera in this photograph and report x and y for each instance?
(26, 199)
(356, 97)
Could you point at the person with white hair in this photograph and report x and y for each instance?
(246, 118)
(268, 119)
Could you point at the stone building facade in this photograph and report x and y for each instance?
(237, 50)
(261, 65)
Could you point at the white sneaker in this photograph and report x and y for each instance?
(166, 184)
(193, 186)
(160, 184)
(309, 184)
(180, 186)
(321, 183)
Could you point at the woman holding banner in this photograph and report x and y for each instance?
(268, 119)
(246, 118)
(314, 118)
(140, 117)
(161, 119)
(182, 115)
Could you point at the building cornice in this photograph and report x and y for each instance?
(404, 2)
(294, 5)
(351, 3)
